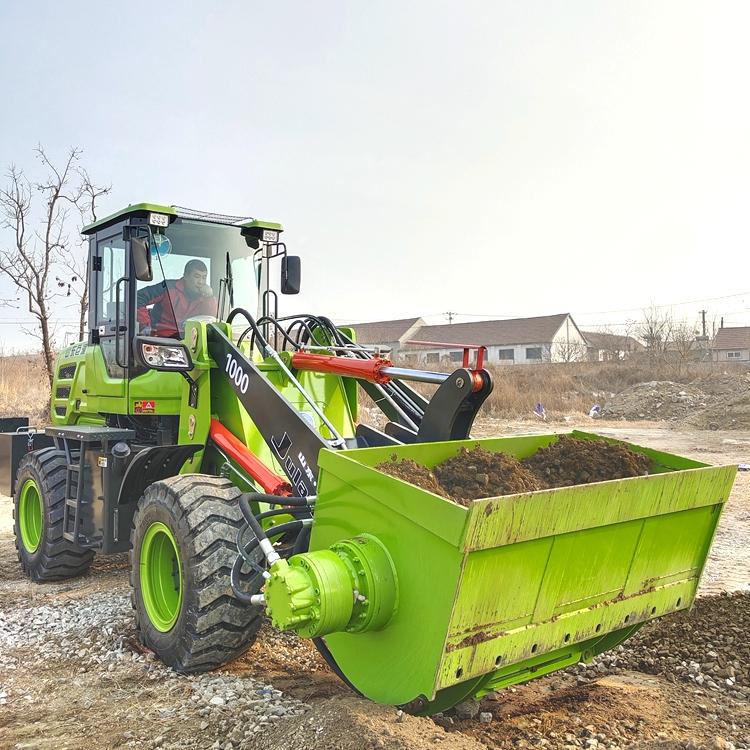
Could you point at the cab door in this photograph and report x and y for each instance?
(110, 301)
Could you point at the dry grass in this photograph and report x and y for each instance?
(24, 389)
(573, 388)
(563, 389)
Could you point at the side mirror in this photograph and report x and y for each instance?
(165, 355)
(139, 249)
(291, 274)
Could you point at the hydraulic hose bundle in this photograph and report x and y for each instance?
(261, 540)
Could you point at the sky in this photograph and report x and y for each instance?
(491, 159)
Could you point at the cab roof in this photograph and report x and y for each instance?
(140, 209)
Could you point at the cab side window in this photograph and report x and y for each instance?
(112, 258)
(111, 261)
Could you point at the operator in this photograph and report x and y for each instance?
(190, 296)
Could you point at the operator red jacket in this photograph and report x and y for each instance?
(160, 317)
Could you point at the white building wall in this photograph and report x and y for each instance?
(520, 352)
(568, 344)
(722, 355)
(428, 356)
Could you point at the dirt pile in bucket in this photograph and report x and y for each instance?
(478, 473)
(465, 477)
(482, 473)
(570, 461)
(412, 472)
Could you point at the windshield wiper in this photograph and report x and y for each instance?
(230, 282)
(226, 288)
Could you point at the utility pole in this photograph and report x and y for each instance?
(450, 315)
(702, 340)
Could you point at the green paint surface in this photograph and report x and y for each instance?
(160, 572)
(30, 516)
(134, 208)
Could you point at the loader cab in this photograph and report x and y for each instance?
(200, 265)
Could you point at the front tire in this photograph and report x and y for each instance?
(38, 508)
(184, 543)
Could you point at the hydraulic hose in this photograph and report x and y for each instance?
(302, 542)
(241, 311)
(234, 577)
(282, 512)
(294, 505)
(263, 497)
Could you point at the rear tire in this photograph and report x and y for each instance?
(184, 543)
(38, 507)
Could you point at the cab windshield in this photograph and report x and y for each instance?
(190, 276)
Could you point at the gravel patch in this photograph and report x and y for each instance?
(685, 676)
(707, 647)
(96, 635)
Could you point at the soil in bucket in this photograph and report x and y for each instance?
(469, 475)
(570, 461)
(478, 473)
(481, 473)
(412, 472)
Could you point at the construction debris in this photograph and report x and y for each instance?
(656, 399)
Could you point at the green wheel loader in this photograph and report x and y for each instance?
(222, 448)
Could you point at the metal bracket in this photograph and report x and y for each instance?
(451, 411)
(193, 395)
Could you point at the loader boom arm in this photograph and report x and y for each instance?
(294, 442)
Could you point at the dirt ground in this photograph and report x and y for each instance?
(72, 675)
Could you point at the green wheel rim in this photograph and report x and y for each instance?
(161, 576)
(30, 518)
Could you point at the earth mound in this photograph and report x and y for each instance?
(572, 461)
(727, 414)
(351, 723)
(724, 384)
(656, 399)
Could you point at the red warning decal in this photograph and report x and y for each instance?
(144, 407)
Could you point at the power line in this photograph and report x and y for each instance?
(606, 312)
(668, 304)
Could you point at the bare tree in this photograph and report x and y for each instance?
(618, 346)
(570, 350)
(41, 262)
(684, 344)
(655, 331)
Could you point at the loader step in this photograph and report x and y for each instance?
(75, 440)
(90, 433)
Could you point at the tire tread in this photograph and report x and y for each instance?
(214, 627)
(56, 559)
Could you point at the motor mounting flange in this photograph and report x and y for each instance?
(350, 587)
